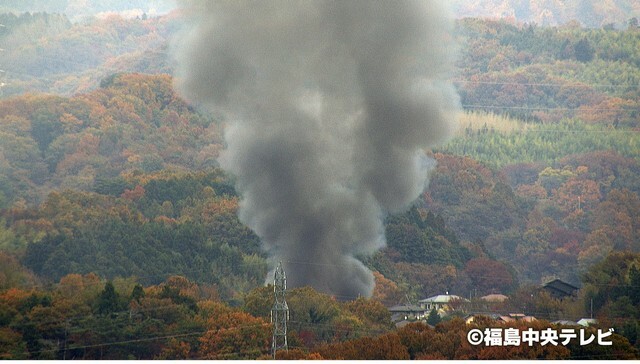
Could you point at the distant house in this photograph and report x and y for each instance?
(560, 289)
(587, 321)
(522, 317)
(441, 303)
(407, 312)
(512, 317)
(494, 316)
(564, 323)
(494, 298)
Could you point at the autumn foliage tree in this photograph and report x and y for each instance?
(489, 276)
(233, 334)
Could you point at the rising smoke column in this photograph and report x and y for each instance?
(328, 105)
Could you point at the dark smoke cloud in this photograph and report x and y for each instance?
(329, 106)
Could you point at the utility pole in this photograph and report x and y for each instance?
(279, 312)
(2, 83)
(2, 72)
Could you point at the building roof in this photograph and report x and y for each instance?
(494, 298)
(443, 298)
(565, 323)
(560, 288)
(406, 308)
(493, 316)
(587, 321)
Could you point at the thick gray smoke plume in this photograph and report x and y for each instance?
(329, 105)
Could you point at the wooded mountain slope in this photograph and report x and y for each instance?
(133, 122)
(590, 13)
(117, 187)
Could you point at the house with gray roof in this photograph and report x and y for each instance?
(442, 303)
(407, 312)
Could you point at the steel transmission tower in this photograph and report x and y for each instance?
(279, 312)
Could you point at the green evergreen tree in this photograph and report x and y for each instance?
(137, 293)
(108, 301)
(584, 51)
(433, 318)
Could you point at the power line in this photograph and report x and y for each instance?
(183, 273)
(130, 311)
(331, 327)
(530, 130)
(476, 106)
(545, 84)
(158, 50)
(153, 338)
(137, 311)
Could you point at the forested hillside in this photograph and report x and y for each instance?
(590, 13)
(83, 317)
(131, 123)
(546, 74)
(82, 9)
(116, 224)
(47, 52)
